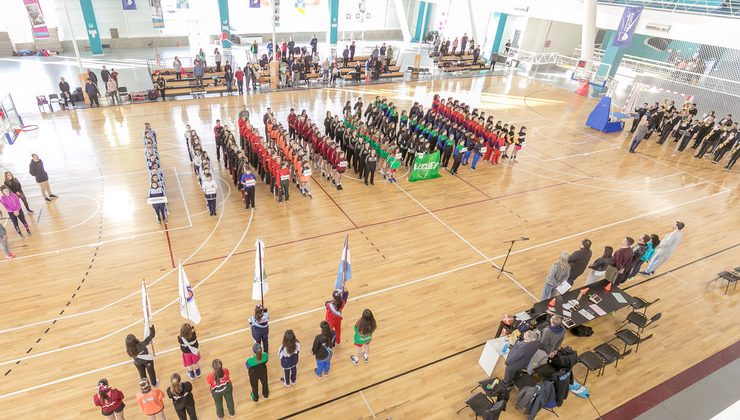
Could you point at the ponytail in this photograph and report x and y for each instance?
(176, 386)
(218, 370)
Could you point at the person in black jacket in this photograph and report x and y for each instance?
(181, 394)
(578, 261)
(322, 349)
(92, 92)
(640, 113)
(105, 75)
(143, 361)
(668, 125)
(371, 162)
(36, 169)
(161, 85)
(66, 94)
(16, 188)
(92, 76)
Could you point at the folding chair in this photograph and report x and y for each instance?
(592, 362)
(729, 276)
(631, 338)
(640, 303)
(640, 320)
(41, 102)
(54, 98)
(123, 93)
(610, 354)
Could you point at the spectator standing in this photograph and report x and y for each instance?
(217, 59)
(476, 54)
(578, 261)
(36, 169)
(352, 51)
(229, 77)
(177, 65)
(314, 44)
(12, 205)
(92, 92)
(16, 188)
(4, 243)
(389, 56)
(114, 75)
(104, 75)
(198, 71)
(345, 56)
(463, 43)
(239, 75)
(598, 268)
(622, 258)
(112, 91)
(666, 248)
(91, 76)
(66, 94)
(558, 274)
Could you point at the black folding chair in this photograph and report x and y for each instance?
(478, 403)
(610, 354)
(631, 338)
(731, 277)
(641, 304)
(640, 320)
(592, 362)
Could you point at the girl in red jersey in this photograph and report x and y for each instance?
(221, 389)
(110, 401)
(334, 309)
(340, 165)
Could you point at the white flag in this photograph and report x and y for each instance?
(146, 308)
(188, 308)
(259, 285)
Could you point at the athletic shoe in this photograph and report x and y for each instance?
(10, 256)
(31, 211)
(365, 357)
(316, 372)
(53, 196)
(282, 381)
(644, 273)
(264, 396)
(251, 394)
(354, 360)
(47, 199)
(339, 187)
(156, 383)
(197, 373)
(191, 375)
(29, 232)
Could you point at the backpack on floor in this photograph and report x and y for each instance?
(565, 358)
(582, 331)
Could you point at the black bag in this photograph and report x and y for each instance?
(582, 331)
(151, 94)
(566, 357)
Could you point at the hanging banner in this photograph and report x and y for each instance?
(36, 16)
(223, 9)
(91, 27)
(627, 26)
(254, 4)
(129, 4)
(157, 13)
(426, 166)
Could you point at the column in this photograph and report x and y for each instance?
(588, 31)
(333, 25)
(499, 33)
(223, 11)
(421, 20)
(612, 56)
(91, 27)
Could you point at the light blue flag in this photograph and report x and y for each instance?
(345, 266)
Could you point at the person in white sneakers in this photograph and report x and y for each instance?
(209, 188)
(364, 329)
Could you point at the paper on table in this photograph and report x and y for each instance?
(564, 287)
(586, 314)
(597, 309)
(522, 316)
(618, 296)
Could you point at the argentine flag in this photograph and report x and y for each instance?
(345, 266)
(188, 308)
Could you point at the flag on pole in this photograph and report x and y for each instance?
(259, 285)
(188, 308)
(345, 266)
(146, 308)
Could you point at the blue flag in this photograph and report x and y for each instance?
(345, 266)
(627, 26)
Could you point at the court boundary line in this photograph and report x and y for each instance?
(367, 404)
(97, 209)
(650, 213)
(134, 293)
(112, 333)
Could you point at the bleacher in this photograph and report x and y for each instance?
(187, 84)
(452, 63)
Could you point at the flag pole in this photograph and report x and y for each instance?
(259, 251)
(146, 292)
(344, 258)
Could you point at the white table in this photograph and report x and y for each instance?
(492, 351)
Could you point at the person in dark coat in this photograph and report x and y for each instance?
(92, 76)
(579, 260)
(520, 355)
(105, 74)
(66, 94)
(36, 169)
(92, 92)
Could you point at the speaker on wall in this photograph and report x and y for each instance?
(660, 44)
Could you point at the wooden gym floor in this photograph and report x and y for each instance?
(422, 257)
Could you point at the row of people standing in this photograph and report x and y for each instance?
(157, 193)
(618, 266)
(201, 164)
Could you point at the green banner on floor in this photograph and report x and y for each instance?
(426, 166)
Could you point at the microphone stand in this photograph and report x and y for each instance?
(511, 245)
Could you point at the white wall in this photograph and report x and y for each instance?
(563, 37)
(694, 28)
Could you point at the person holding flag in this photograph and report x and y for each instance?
(137, 350)
(339, 297)
(259, 324)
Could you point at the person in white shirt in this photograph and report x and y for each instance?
(188, 144)
(209, 188)
(666, 248)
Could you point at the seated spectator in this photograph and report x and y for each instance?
(520, 355)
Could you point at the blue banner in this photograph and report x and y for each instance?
(129, 4)
(627, 26)
(254, 4)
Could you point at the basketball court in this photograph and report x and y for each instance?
(425, 257)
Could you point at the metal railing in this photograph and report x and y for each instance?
(721, 8)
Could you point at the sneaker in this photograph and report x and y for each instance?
(10, 256)
(197, 373)
(264, 396)
(315, 371)
(156, 383)
(47, 199)
(251, 394)
(31, 211)
(191, 375)
(282, 381)
(339, 187)
(354, 360)
(644, 273)
(365, 357)
(29, 232)
(53, 196)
